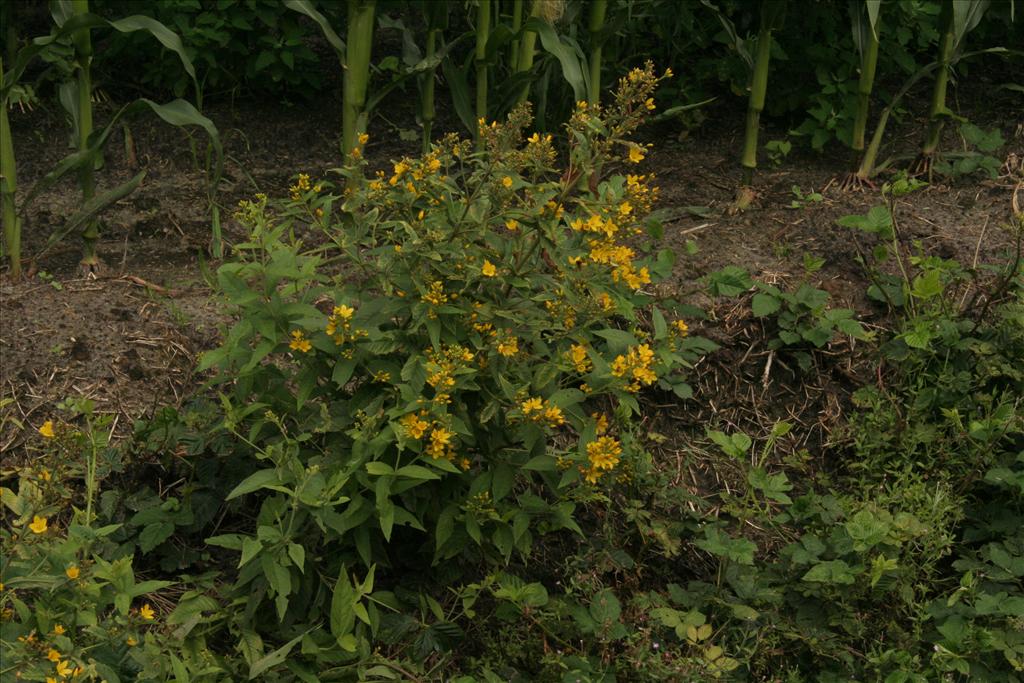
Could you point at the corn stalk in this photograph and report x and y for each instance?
(483, 32)
(527, 47)
(771, 18)
(598, 9)
(357, 72)
(82, 116)
(517, 23)
(956, 19)
(8, 188)
(864, 14)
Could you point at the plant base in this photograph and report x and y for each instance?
(745, 196)
(855, 182)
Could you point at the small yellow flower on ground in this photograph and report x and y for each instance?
(488, 269)
(72, 572)
(58, 630)
(47, 429)
(507, 181)
(512, 224)
(131, 642)
(38, 524)
(147, 613)
(53, 655)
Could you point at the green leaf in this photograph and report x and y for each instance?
(570, 57)
(254, 482)
(764, 304)
(306, 7)
(278, 656)
(154, 534)
(833, 571)
(343, 617)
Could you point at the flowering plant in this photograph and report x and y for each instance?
(443, 359)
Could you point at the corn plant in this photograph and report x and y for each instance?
(957, 18)
(771, 15)
(483, 32)
(598, 10)
(864, 15)
(73, 22)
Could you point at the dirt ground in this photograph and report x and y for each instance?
(129, 338)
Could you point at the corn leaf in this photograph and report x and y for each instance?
(306, 7)
(568, 54)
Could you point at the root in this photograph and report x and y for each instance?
(854, 182)
(745, 196)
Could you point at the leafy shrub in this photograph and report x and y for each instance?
(259, 45)
(448, 370)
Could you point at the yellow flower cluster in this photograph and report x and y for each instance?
(440, 445)
(603, 455)
(435, 295)
(577, 355)
(339, 325)
(300, 186)
(681, 328)
(561, 311)
(635, 367)
(640, 193)
(508, 346)
(537, 409)
(442, 367)
(299, 342)
(414, 424)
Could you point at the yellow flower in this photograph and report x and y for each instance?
(577, 355)
(465, 463)
(531, 404)
(51, 679)
(47, 429)
(53, 655)
(488, 269)
(636, 154)
(440, 440)
(343, 312)
(625, 208)
(553, 414)
(414, 426)
(603, 453)
(58, 630)
(64, 669)
(649, 104)
(512, 224)
(299, 342)
(38, 524)
(72, 572)
(45, 475)
(508, 347)
(681, 327)
(131, 642)
(363, 138)
(507, 181)
(147, 613)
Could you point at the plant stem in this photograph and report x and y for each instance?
(869, 61)
(758, 88)
(357, 74)
(598, 9)
(526, 49)
(428, 92)
(483, 30)
(8, 187)
(82, 40)
(517, 22)
(936, 113)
